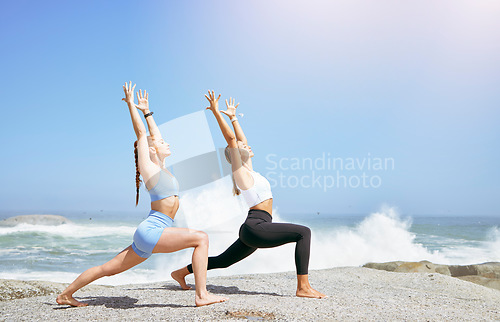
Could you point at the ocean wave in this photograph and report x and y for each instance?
(379, 237)
(493, 244)
(384, 236)
(133, 276)
(69, 230)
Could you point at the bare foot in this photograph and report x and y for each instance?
(69, 300)
(179, 275)
(310, 292)
(321, 295)
(208, 299)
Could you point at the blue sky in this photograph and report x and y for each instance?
(414, 81)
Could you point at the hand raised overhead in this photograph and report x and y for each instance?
(231, 108)
(214, 102)
(129, 92)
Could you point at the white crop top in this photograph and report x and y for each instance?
(260, 191)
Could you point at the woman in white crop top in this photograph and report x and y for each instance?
(258, 230)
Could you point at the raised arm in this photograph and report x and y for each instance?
(143, 105)
(241, 174)
(226, 130)
(146, 167)
(139, 128)
(231, 112)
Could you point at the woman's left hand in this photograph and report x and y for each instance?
(231, 108)
(143, 101)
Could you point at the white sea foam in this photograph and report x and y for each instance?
(134, 276)
(211, 208)
(485, 251)
(383, 236)
(32, 275)
(70, 230)
(493, 244)
(379, 237)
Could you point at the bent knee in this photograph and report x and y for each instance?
(305, 232)
(201, 238)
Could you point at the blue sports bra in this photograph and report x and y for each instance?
(166, 186)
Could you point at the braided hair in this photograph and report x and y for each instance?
(137, 174)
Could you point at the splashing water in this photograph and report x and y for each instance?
(61, 253)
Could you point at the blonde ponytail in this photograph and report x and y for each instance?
(236, 190)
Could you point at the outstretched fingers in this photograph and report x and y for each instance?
(128, 87)
(129, 91)
(211, 97)
(142, 96)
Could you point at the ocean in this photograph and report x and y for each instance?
(60, 253)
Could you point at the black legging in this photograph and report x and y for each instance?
(258, 231)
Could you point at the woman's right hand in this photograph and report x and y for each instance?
(231, 108)
(129, 93)
(214, 102)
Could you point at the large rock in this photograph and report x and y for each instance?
(442, 269)
(489, 270)
(389, 266)
(486, 274)
(416, 267)
(49, 220)
(488, 282)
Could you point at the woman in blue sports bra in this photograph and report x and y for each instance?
(155, 234)
(258, 230)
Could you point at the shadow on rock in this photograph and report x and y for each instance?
(234, 290)
(170, 287)
(211, 288)
(121, 302)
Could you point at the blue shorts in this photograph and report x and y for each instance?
(149, 232)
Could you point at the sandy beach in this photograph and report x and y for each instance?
(355, 294)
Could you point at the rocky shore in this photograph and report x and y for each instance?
(486, 274)
(355, 293)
